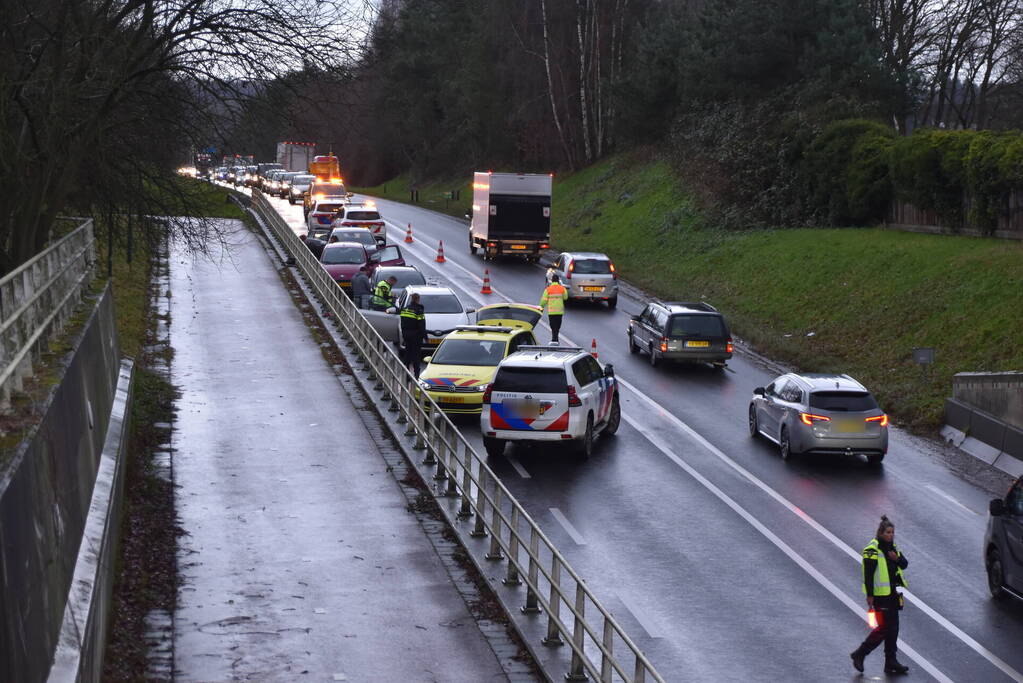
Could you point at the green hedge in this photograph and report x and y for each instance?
(854, 168)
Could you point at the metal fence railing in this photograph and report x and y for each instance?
(37, 299)
(600, 647)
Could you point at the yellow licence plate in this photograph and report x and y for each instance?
(518, 246)
(697, 344)
(434, 341)
(590, 288)
(452, 399)
(344, 284)
(849, 426)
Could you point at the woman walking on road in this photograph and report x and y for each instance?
(882, 574)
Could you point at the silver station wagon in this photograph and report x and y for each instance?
(819, 414)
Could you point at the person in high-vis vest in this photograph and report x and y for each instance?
(554, 298)
(382, 294)
(883, 565)
(413, 332)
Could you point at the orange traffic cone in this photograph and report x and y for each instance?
(593, 349)
(408, 234)
(486, 282)
(440, 252)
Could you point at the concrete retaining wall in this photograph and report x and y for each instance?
(46, 490)
(996, 393)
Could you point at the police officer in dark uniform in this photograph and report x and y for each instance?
(413, 332)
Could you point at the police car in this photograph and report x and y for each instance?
(550, 393)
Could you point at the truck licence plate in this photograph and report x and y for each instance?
(518, 246)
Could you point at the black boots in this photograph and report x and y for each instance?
(857, 658)
(892, 666)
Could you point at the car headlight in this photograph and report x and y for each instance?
(481, 388)
(424, 384)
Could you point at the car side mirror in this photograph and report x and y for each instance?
(428, 359)
(392, 310)
(468, 216)
(609, 370)
(759, 391)
(997, 507)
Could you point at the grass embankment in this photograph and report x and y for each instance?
(849, 300)
(431, 194)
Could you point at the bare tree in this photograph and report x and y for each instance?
(71, 68)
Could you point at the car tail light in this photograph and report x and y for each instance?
(883, 419)
(728, 346)
(810, 418)
(349, 223)
(571, 269)
(545, 246)
(573, 398)
(614, 273)
(487, 392)
(664, 343)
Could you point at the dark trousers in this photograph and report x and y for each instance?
(555, 321)
(887, 630)
(413, 354)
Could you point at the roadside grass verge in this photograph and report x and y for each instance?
(431, 193)
(831, 300)
(853, 300)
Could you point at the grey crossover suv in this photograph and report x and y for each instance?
(587, 275)
(1003, 544)
(682, 331)
(821, 414)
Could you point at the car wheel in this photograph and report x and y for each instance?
(784, 445)
(995, 575)
(291, 201)
(586, 443)
(654, 360)
(494, 447)
(612, 303)
(614, 418)
(754, 428)
(875, 460)
(633, 348)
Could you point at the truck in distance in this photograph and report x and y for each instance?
(295, 156)
(511, 214)
(326, 168)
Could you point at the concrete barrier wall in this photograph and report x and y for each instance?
(999, 394)
(46, 490)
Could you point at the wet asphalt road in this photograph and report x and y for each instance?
(300, 560)
(723, 561)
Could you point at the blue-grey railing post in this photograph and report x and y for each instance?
(512, 576)
(553, 637)
(480, 529)
(577, 672)
(532, 605)
(495, 526)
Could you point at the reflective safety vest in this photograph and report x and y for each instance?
(882, 582)
(411, 314)
(554, 297)
(382, 293)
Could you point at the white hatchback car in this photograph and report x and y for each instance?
(550, 393)
(444, 312)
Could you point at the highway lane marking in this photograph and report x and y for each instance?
(803, 564)
(641, 617)
(567, 525)
(813, 523)
(817, 526)
(935, 489)
(517, 466)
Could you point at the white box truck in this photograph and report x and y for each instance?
(511, 214)
(295, 156)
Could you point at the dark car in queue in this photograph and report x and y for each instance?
(405, 275)
(342, 260)
(1003, 544)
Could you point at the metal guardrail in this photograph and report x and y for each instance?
(600, 647)
(37, 299)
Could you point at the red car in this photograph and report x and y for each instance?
(343, 259)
